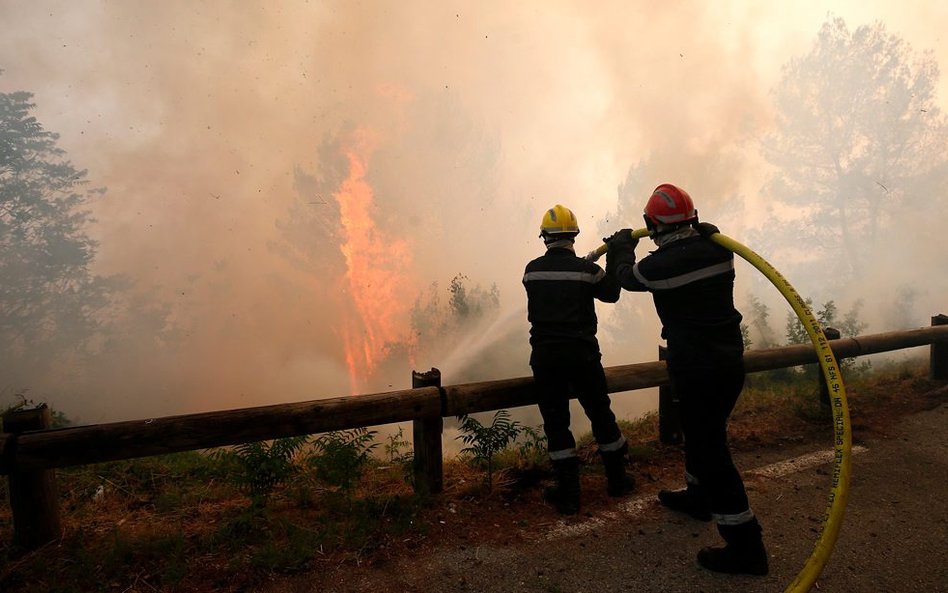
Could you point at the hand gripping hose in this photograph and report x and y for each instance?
(842, 460)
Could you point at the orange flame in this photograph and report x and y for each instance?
(376, 271)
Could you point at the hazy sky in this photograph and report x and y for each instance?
(466, 120)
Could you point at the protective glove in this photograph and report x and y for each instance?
(621, 248)
(706, 229)
(621, 239)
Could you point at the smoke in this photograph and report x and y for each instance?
(220, 129)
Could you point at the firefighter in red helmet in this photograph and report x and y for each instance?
(565, 358)
(691, 279)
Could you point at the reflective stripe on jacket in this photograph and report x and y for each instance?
(692, 284)
(561, 292)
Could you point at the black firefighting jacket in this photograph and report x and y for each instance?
(692, 284)
(561, 291)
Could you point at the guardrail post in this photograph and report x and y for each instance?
(938, 367)
(34, 495)
(831, 333)
(669, 422)
(426, 432)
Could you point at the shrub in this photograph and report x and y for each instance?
(484, 442)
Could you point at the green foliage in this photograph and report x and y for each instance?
(795, 331)
(484, 442)
(397, 456)
(394, 448)
(431, 320)
(260, 467)
(438, 326)
(850, 325)
(828, 316)
(471, 303)
(339, 457)
(459, 303)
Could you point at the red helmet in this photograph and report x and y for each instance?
(669, 205)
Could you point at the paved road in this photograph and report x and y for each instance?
(894, 538)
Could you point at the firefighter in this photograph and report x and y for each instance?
(691, 279)
(565, 358)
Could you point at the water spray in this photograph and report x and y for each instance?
(473, 345)
(842, 459)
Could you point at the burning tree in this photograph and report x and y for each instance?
(355, 230)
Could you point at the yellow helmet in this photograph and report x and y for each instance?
(558, 220)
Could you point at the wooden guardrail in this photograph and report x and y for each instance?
(29, 450)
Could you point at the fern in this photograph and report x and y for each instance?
(261, 466)
(339, 458)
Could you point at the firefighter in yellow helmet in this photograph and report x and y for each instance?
(561, 292)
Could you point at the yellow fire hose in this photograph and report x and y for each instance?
(842, 460)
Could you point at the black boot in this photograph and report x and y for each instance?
(743, 554)
(620, 482)
(692, 501)
(565, 495)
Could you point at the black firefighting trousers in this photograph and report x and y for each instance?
(706, 399)
(555, 383)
